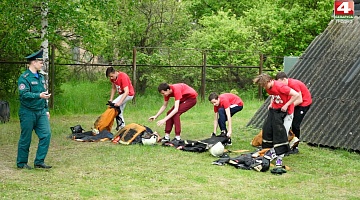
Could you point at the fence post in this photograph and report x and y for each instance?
(134, 73)
(203, 76)
(260, 72)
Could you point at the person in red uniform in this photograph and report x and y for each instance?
(225, 106)
(302, 104)
(185, 98)
(121, 83)
(274, 132)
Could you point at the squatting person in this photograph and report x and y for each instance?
(225, 106)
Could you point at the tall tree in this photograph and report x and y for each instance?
(69, 24)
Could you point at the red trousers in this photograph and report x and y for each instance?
(175, 120)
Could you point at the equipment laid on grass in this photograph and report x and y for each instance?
(278, 170)
(149, 138)
(197, 145)
(78, 134)
(135, 134)
(245, 161)
(217, 150)
(77, 129)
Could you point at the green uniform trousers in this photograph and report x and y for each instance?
(29, 121)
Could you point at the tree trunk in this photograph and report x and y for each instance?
(45, 43)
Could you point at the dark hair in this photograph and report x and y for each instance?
(280, 75)
(163, 86)
(109, 70)
(213, 95)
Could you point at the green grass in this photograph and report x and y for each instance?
(105, 170)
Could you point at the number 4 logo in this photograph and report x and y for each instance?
(344, 7)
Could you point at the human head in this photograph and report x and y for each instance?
(36, 60)
(263, 80)
(112, 73)
(164, 89)
(214, 99)
(282, 77)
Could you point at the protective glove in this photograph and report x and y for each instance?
(278, 170)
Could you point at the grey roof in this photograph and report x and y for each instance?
(330, 67)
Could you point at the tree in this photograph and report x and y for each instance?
(69, 25)
(227, 41)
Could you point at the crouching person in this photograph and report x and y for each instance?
(225, 106)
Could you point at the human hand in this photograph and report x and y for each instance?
(161, 122)
(45, 95)
(284, 108)
(48, 115)
(152, 118)
(228, 134)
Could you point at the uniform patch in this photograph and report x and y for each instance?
(34, 82)
(21, 86)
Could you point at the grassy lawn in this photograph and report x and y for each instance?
(105, 170)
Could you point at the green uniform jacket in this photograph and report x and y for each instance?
(30, 88)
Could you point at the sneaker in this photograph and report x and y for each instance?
(164, 139)
(270, 155)
(294, 142)
(229, 143)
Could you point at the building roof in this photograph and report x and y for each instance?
(330, 67)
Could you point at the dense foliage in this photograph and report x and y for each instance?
(165, 32)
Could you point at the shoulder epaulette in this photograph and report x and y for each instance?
(25, 75)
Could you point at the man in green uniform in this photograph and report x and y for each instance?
(33, 113)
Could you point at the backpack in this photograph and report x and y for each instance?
(4, 111)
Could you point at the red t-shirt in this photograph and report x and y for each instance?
(228, 99)
(181, 91)
(280, 96)
(299, 86)
(123, 81)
